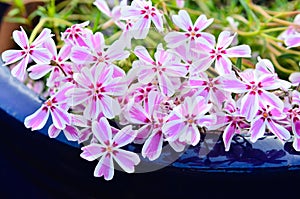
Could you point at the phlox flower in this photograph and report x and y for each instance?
(109, 149)
(192, 32)
(34, 51)
(291, 30)
(209, 88)
(141, 13)
(255, 86)
(56, 105)
(98, 54)
(234, 121)
(183, 122)
(268, 117)
(150, 120)
(58, 67)
(96, 89)
(166, 67)
(76, 34)
(293, 116)
(220, 53)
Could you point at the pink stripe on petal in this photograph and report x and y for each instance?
(207, 37)
(138, 115)
(19, 71)
(165, 85)
(41, 56)
(228, 134)
(175, 39)
(115, 52)
(158, 21)
(37, 120)
(78, 96)
(143, 133)
(126, 159)
(102, 131)
(182, 20)
(269, 98)
(234, 85)
(109, 106)
(223, 65)
(153, 146)
(65, 52)
(60, 118)
(281, 132)
(116, 87)
(129, 12)
(239, 51)
(143, 55)
(224, 40)
(92, 152)
(12, 56)
(39, 70)
(84, 135)
(172, 129)
(71, 133)
(296, 129)
(80, 55)
(249, 106)
(43, 36)
(105, 167)
(257, 130)
(103, 7)
(92, 109)
(145, 76)
(125, 136)
(21, 38)
(53, 132)
(193, 135)
(292, 41)
(141, 28)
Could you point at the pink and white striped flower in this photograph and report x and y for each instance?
(109, 149)
(76, 34)
(167, 68)
(56, 106)
(98, 54)
(209, 88)
(96, 89)
(59, 67)
(141, 13)
(192, 32)
(268, 117)
(220, 53)
(255, 86)
(183, 122)
(29, 51)
(293, 117)
(233, 120)
(150, 118)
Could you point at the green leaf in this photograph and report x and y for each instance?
(238, 63)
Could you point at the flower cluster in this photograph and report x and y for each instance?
(188, 85)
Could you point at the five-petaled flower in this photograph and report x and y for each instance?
(56, 106)
(220, 53)
(268, 117)
(192, 32)
(109, 149)
(34, 51)
(184, 121)
(141, 13)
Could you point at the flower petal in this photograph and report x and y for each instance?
(109, 106)
(12, 56)
(53, 132)
(21, 38)
(223, 65)
(143, 55)
(19, 71)
(228, 135)
(102, 131)
(40, 56)
(38, 119)
(39, 70)
(125, 136)
(257, 130)
(60, 117)
(153, 146)
(239, 51)
(71, 133)
(92, 151)
(183, 20)
(281, 132)
(249, 105)
(126, 160)
(105, 167)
